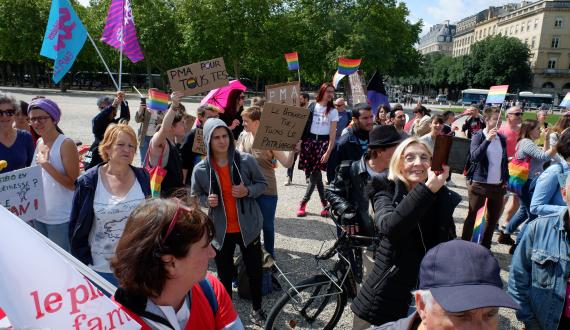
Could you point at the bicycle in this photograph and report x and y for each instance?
(310, 302)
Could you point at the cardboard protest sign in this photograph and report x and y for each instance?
(281, 127)
(63, 300)
(357, 90)
(198, 77)
(198, 146)
(287, 93)
(22, 192)
(190, 121)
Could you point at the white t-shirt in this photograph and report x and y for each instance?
(322, 123)
(177, 319)
(494, 156)
(111, 214)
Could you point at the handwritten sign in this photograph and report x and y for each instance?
(199, 77)
(198, 146)
(22, 192)
(287, 93)
(280, 127)
(357, 90)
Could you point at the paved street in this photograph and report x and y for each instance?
(295, 237)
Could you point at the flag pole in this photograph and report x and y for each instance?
(120, 66)
(299, 75)
(103, 60)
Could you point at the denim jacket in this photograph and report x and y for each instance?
(547, 198)
(539, 271)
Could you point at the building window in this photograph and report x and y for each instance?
(511, 30)
(555, 42)
(533, 42)
(536, 23)
(558, 22)
(552, 63)
(517, 28)
(526, 41)
(528, 26)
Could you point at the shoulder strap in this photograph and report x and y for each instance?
(208, 291)
(147, 157)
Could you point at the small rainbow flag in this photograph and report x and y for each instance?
(497, 94)
(480, 223)
(157, 100)
(566, 101)
(348, 66)
(292, 61)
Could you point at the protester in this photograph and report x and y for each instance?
(421, 125)
(318, 143)
(106, 116)
(412, 215)
(228, 182)
(474, 123)
(460, 287)
(354, 144)
(561, 124)
(346, 194)
(398, 119)
(547, 197)
(258, 101)
(104, 197)
(490, 174)
(163, 151)
(149, 120)
(436, 126)
(303, 103)
(59, 159)
(189, 157)
(527, 150)
(344, 117)
(232, 112)
(16, 145)
(266, 161)
(381, 117)
(162, 262)
(538, 279)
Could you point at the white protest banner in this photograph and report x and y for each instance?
(199, 77)
(22, 192)
(40, 289)
(280, 127)
(357, 89)
(286, 93)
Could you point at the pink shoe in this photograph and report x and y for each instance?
(301, 212)
(325, 211)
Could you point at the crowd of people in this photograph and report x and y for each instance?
(144, 228)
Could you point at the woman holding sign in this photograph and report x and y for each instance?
(318, 143)
(16, 146)
(266, 161)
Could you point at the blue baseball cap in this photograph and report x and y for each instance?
(462, 276)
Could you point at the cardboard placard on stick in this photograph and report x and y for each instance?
(281, 127)
(286, 93)
(198, 77)
(22, 192)
(198, 146)
(357, 89)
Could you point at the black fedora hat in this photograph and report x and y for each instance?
(383, 136)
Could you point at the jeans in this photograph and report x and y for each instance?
(523, 212)
(268, 205)
(56, 233)
(290, 169)
(144, 147)
(252, 258)
(315, 180)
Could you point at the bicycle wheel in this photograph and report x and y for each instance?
(318, 305)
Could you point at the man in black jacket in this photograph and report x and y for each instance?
(352, 145)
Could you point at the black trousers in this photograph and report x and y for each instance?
(251, 255)
(477, 192)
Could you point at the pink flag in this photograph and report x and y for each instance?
(120, 28)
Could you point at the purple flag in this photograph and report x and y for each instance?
(120, 28)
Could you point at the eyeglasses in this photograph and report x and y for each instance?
(518, 114)
(7, 113)
(410, 158)
(38, 119)
(179, 207)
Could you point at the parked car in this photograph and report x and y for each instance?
(441, 98)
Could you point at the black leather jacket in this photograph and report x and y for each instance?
(347, 197)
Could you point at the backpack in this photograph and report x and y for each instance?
(307, 129)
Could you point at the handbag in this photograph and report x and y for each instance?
(519, 170)
(156, 173)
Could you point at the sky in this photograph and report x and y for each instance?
(437, 11)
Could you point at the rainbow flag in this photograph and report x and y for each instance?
(480, 223)
(292, 61)
(497, 94)
(157, 100)
(566, 101)
(348, 66)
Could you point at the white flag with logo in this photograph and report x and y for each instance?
(39, 288)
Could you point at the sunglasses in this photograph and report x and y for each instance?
(39, 119)
(7, 113)
(179, 208)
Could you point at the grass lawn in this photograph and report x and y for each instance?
(552, 118)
